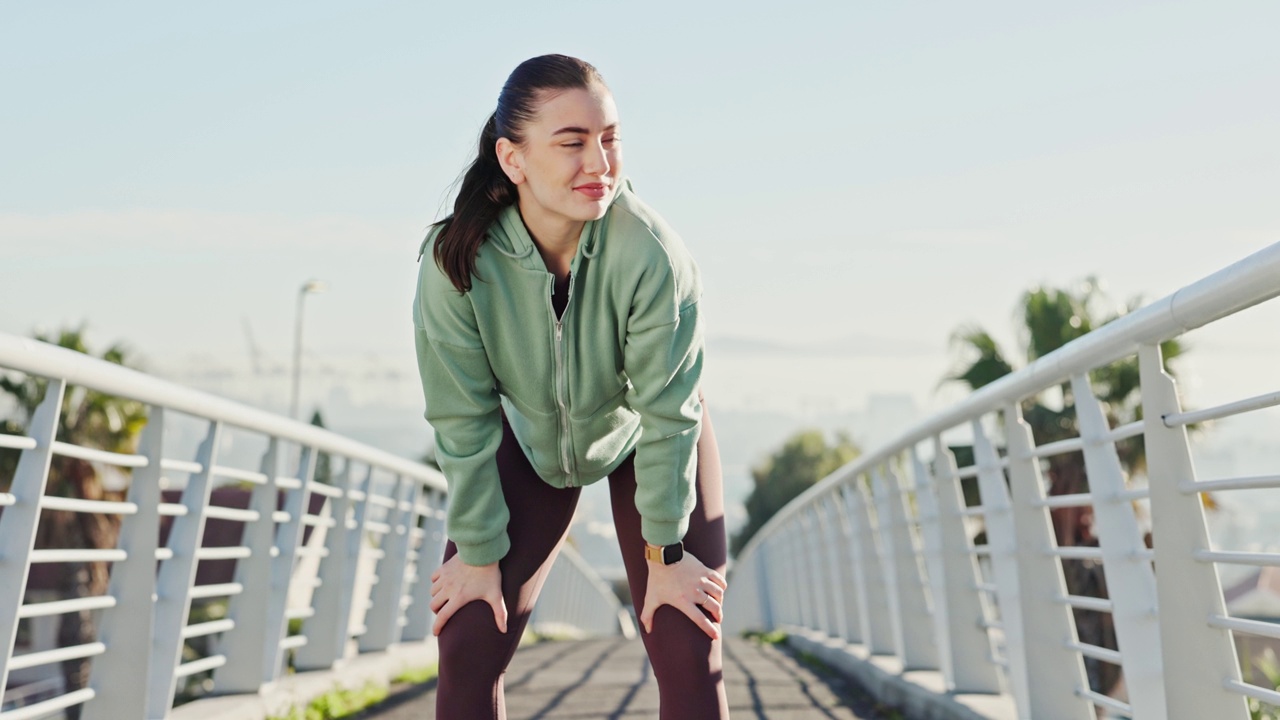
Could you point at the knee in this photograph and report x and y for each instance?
(470, 645)
(682, 656)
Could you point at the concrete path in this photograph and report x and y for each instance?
(611, 680)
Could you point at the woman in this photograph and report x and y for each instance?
(559, 342)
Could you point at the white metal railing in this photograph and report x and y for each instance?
(355, 584)
(880, 554)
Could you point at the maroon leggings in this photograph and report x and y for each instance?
(686, 663)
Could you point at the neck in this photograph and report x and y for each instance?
(555, 236)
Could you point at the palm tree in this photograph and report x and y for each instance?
(1049, 319)
(90, 419)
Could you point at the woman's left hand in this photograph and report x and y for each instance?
(687, 586)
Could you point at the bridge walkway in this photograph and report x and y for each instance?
(610, 679)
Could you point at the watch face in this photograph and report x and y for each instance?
(672, 554)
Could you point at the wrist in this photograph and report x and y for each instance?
(664, 554)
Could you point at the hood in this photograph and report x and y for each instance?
(509, 236)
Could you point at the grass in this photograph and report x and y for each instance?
(775, 637)
(336, 704)
(417, 676)
(342, 703)
(814, 662)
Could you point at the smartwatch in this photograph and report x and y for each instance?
(665, 554)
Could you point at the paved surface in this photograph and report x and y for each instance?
(611, 680)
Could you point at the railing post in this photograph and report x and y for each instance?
(288, 538)
(329, 628)
(817, 575)
(971, 647)
(919, 652)
(1130, 580)
(1199, 659)
(788, 590)
(385, 612)
(127, 628)
(177, 575)
(881, 637)
(764, 586)
(791, 586)
(357, 547)
(931, 544)
(831, 551)
(887, 556)
(18, 524)
(1002, 543)
(245, 669)
(855, 585)
(1054, 671)
(426, 558)
(804, 591)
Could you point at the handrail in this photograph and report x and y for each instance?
(38, 358)
(1241, 285)
(880, 554)
(349, 559)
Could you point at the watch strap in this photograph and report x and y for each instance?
(665, 554)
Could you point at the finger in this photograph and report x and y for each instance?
(718, 579)
(712, 589)
(499, 614)
(442, 618)
(436, 575)
(438, 601)
(646, 617)
(436, 588)
(714, 607)
(712, 629)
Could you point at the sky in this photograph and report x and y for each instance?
(855, 180)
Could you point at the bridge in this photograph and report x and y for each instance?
(294, 559)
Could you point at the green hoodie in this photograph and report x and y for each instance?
(618, 372)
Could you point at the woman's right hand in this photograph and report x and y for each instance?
(455, 583)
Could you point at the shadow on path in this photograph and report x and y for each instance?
(597, 680)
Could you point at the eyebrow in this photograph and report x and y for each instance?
(581, 131)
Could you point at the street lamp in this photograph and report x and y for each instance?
(309, 287)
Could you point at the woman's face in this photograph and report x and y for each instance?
(569, 165)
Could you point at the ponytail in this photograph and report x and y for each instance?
(484, 192)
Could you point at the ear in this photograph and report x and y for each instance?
(511, 160)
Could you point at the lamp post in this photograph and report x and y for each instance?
(309, 287)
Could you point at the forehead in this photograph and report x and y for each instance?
(591, 108)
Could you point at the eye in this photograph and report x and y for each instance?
(575, 144)
(612, 140)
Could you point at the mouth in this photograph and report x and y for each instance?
(595, 191)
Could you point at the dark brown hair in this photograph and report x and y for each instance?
(485, 189)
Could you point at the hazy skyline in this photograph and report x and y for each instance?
(881, 173)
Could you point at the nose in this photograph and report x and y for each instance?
(596, 161)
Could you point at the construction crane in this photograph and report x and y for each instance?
(255, 353)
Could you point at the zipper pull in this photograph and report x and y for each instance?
(559, 330)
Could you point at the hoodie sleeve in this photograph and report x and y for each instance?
(463, 409)
(663, 359)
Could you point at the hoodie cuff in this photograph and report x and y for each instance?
(485, 553)
(663, 532)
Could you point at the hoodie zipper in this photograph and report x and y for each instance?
(561, 379)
